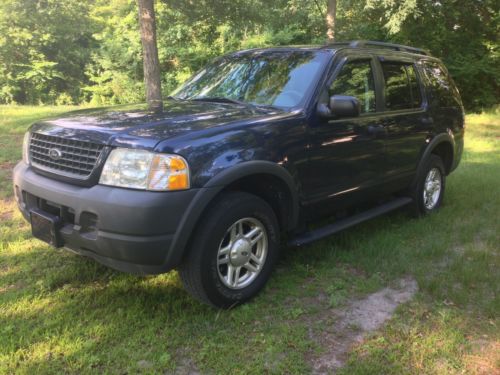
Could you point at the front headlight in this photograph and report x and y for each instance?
(26, 147)
(139, 169)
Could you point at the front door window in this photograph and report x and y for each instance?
(356, 79)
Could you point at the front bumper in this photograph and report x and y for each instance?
(129, 230)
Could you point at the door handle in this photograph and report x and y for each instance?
(427, 120)
(376, 129)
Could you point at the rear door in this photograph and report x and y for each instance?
(405, 118)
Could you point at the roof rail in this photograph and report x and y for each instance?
(368, 43)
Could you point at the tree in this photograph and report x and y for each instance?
(151, 61)
(44, 49)
(464, 35)
(73, 51)
(331, 18)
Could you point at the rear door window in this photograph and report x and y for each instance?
(401, 87)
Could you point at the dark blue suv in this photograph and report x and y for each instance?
(248, 151)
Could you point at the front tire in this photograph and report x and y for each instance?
(428, 191)
(233, 252)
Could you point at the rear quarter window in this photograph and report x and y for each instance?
(442, 89)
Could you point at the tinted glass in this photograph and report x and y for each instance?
(444, 92)
(356, 79)
(271, 78)
(416, 94)
(401, 88)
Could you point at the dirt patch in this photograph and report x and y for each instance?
(485, 358)
(343, 328)
(6, 175)
(16, 286)
(7, 166)
(185, 364)
(6, 209)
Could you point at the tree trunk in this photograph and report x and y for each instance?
(331, 18)
(151, 62)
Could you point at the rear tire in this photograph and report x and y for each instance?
(428, 191)
(233, 251)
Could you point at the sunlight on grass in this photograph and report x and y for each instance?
(15, 119)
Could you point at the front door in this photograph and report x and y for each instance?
(346, 155)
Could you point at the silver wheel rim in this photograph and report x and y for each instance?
(242, 253)
(432, 188)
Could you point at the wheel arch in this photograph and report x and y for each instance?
(445, 151)
(442, 145)
(264, 179)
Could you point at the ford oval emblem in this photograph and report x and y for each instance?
(55, 154)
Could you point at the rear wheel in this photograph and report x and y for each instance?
(233, 251)
(428, 192)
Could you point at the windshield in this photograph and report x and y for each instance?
(276, 78)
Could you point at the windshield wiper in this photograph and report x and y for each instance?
(174, 98)
(219, 99)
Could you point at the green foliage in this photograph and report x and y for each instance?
(115, 68)
(44, 49)
(395, 12)
(90, 51)
(465, 36)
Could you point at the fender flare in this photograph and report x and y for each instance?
(213, 187)
(438, 139)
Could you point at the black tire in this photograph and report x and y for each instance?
(419, 206)
(200, 273)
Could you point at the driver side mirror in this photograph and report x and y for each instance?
(340, 106)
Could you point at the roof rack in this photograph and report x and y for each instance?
(395, 47)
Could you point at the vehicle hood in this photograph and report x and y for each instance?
(135, 126)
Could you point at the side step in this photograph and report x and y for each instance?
(340, 225)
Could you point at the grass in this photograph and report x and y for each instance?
(63, 313)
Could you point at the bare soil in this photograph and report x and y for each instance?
(343, 328)
(6, 209)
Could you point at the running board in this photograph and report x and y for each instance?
(340, 225)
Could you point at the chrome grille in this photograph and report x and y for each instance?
(64, 156)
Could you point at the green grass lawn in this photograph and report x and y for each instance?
(61, 313)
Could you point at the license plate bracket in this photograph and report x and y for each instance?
(45, 227)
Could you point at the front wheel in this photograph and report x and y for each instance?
(428, 191)
(233, 251)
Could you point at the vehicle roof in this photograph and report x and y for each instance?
(355, 45)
